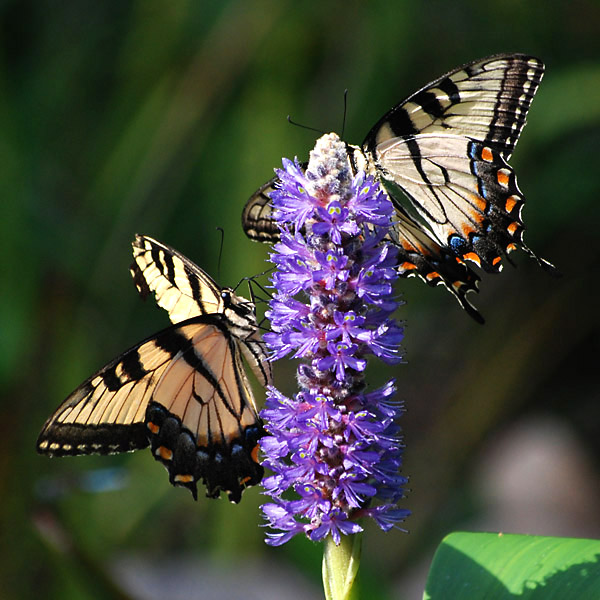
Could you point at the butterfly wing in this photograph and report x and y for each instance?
(446, 148)
(179, 286)
(257, 217)
(106, 413)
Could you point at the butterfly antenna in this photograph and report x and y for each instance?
(291, 122)
(267, 293)
(252, 280)
(345, 113)
(220, 252)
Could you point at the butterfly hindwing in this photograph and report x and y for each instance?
(183, 391)
(202, 419)
(421, 256)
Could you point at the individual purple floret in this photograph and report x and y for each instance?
(334, 449)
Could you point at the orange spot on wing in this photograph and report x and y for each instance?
(513, 227)
(164, 453)
(496, 260)
(183, 478)
(511, 202)
(153, 427)
(511, 247)
(245, 480)
(432, 275)
(407, 266)
(487, 154)
(254, 453)
(503, 178)
(473, 258)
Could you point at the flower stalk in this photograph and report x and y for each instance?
(340, 566)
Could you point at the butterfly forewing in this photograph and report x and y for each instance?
(180, 287)
(486, 100)
(183, 391)
(106, 413)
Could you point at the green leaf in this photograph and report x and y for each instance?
(496, 566)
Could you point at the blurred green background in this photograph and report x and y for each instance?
(162, 117)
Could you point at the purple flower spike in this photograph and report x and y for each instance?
(334, 449)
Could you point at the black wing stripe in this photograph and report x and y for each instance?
(450, 89)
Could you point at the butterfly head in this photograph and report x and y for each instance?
(239, 312)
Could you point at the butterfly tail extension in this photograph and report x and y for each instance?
(229, 467)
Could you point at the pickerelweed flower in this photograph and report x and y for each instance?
(334, 449)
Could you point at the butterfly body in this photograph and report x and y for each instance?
(183, 392)
(442, 156)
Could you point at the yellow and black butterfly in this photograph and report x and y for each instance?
(446, 148)
(184, 391)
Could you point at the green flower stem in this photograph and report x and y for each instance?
(340, 566)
